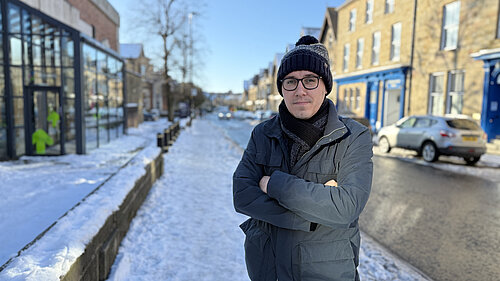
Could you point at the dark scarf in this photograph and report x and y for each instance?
(302, 134)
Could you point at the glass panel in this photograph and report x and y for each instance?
(3, 115)
(1, 44)
(102, 62)
(69, 119)
(103, 132)
(15, 50)
(67, 51)
(18, 111)
(17, 81)
(19, 141)
(26, 22)
(89, 58)
(69, 83)
(91, 138)
(36, 49)
(457, 103)
(57, 51)
(36, 25)
(47, 121)
(3, 143)
(14, 19)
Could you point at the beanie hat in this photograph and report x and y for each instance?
(310, 55)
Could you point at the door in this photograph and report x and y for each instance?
(44, 126)
(492, 127)
(391, 112)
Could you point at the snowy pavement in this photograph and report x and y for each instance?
(187, 228)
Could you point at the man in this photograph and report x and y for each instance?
(304, 179)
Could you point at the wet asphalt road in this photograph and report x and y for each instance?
(445, 224)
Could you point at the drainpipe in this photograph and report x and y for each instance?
(411, 56)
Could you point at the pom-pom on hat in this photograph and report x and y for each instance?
(310, 55)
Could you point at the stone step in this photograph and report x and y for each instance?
(493, 147)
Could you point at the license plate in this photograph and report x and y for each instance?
(469, 138)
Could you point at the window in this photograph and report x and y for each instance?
(408, 123)
(455, 92)
(395, 41)
(346, 57)
(346, 103)
(351, 99)
(436, 94)
(359, 52)
(498, 24)
(451, 19)
(389, 6)
(423, 123)
(375, 47)
(358, 99)
(352, 20)
(369, 11)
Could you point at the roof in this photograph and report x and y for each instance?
(131, 51)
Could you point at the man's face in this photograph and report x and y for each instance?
(301, 102)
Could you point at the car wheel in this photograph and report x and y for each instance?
(384, 145)
(471, 160)
(429, 152)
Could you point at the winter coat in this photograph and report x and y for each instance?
(302, 229)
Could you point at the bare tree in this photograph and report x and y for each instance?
(165, 19)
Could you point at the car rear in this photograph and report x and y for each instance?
(462, 137)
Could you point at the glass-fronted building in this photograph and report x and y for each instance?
(60, 91)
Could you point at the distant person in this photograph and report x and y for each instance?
(304, 179)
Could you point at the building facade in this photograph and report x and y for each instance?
(61, 91)
(396, 58)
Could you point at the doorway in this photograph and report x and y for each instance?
(44, 125)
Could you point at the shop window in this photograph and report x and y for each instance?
(436, 94)
(451, 20)
(455, 92)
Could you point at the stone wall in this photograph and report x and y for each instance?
(95, 263)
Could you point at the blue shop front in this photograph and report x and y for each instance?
(385, 94)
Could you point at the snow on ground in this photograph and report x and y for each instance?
(187, 228)
(487, 168)
(39, 190)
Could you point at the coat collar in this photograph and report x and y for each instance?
(334, 127)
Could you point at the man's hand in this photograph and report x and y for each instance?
(331, 183)
(263, 183)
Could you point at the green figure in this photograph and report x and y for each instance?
(39, 139)
(53, 117)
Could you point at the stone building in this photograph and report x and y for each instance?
(393, 58)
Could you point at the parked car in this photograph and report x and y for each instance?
(151, 115)
(432, 136)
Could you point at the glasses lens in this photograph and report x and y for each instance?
(290, 84)
(310, 82)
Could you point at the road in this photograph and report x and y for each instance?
(445, 224)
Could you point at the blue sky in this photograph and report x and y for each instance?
(239, 37)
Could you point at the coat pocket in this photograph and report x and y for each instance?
(326, 260)
(322, 171)
(259, 255)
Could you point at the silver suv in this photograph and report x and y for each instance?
(432, 136)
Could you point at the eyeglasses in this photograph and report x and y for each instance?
(309, 83)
